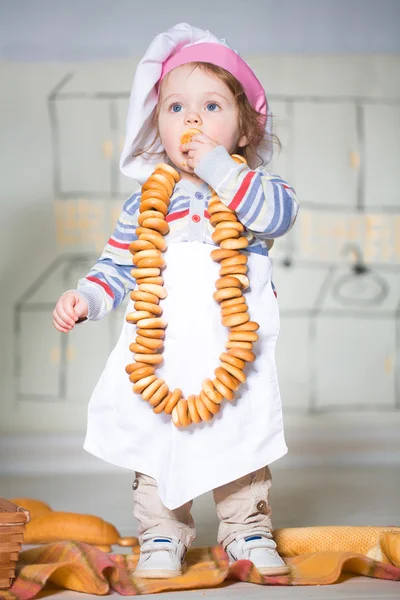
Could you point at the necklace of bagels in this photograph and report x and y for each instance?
(150, 326)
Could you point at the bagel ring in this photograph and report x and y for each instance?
(187, 135)
(203, 411)
(211, 392)
(237, 244)
(149, 214)
(209, 404)
(173, 401)
(170, 170)
(157, 290)
(151, 389)
(159, 395)
(233, 360)
(154, 238)
(159, 409)
(226, 293)
(138, 245)
(153, 204)
(235, 319)
(141, 385)
(226, 392)
(157, 334)
(183, 413)
(151, 359)
(232, 370)
(193, 412)
(242, 353)
(226, 379)
(159, 225)
(219, 254)
(226, 282)
(232, 310)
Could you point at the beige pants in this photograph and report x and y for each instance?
(242, 505)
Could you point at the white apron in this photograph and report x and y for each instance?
(246, 435)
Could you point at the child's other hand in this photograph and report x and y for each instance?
(197, 148)
(69, 308)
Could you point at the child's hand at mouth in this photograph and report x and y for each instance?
(199, 146)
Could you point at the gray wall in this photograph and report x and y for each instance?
(102, 29)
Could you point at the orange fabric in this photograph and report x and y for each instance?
(80, 567)
(373, 542)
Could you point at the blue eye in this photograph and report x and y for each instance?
(176, 108)
(212, 106)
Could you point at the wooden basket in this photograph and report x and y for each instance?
(12, 527)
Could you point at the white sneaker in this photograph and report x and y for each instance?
(160, 557)
(260, 548)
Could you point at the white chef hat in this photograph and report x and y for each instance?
(178, 46)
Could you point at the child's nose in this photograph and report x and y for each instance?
(193, 118)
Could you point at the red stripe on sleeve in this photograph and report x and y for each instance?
(242, 191)
(116, 244)
(104, 285)
(177, 215)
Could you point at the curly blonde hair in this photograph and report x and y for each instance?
(251, 122)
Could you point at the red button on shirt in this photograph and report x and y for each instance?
(196, 218)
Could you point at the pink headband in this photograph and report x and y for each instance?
(224, 57)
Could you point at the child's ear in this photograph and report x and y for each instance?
(243, 141)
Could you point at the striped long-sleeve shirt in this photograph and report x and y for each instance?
(264, 203)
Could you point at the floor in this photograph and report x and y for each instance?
(300, 497)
